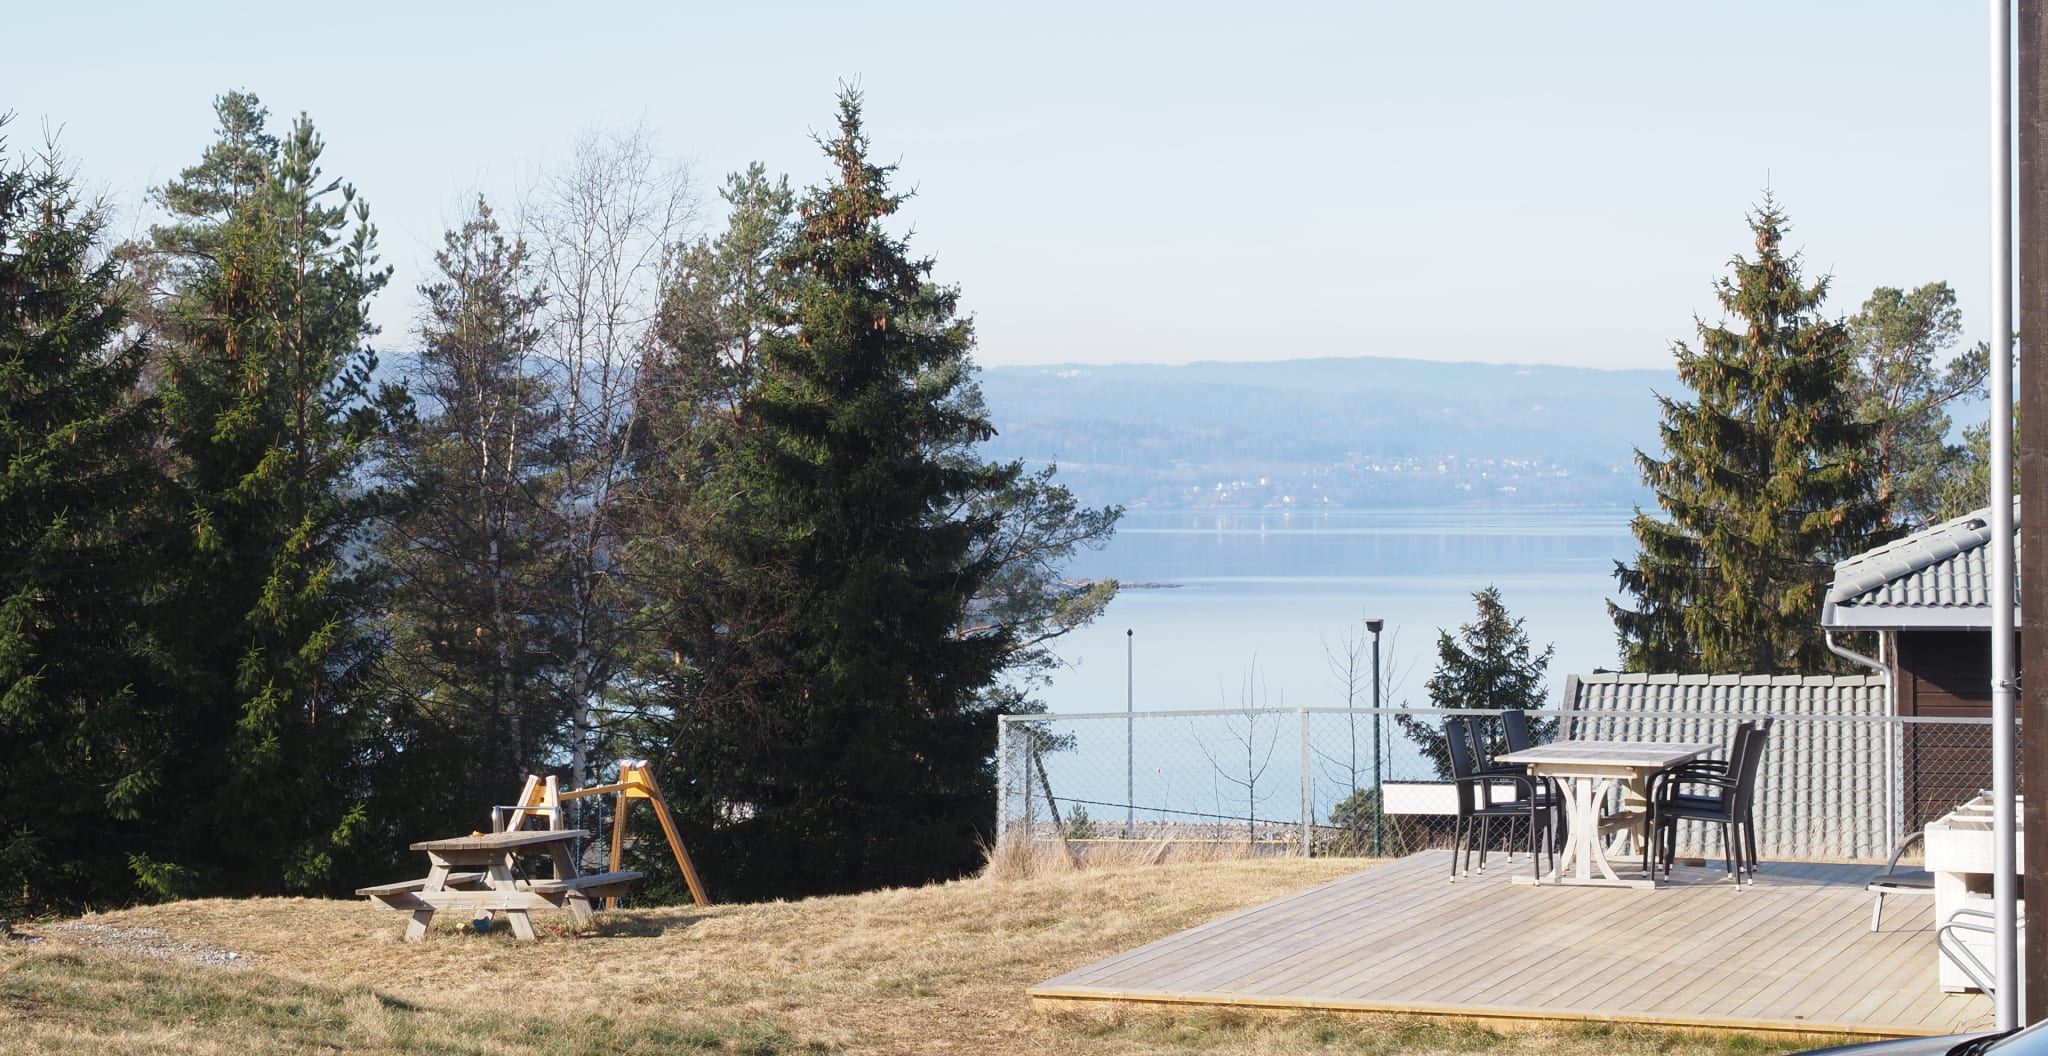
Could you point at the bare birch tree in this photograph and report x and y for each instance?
(602, 225)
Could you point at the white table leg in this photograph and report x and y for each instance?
(1596, 795)
(1584, 859)
(1582, 852)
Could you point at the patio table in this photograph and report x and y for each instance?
(1586, 771)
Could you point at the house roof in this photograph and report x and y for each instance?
(1723, 695)
(1936, 578)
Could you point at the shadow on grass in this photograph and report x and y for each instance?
(638, 926)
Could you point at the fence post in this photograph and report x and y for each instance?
(1002, 781)
(1308, 812)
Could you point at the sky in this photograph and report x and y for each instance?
(1165, 183)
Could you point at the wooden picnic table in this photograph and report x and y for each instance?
(1585, 772)
(479, 872)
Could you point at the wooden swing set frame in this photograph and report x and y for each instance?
(543, 796)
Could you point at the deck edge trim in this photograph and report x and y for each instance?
(1064, 995)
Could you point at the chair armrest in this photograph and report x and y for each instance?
(1668, 789)
(1490, 777)
(1899, 852)
(1696, 768)
(1688, 771)
(1903, 882)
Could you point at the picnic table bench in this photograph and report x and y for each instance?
(497, 886)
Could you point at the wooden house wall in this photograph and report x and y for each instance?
(1943, 674)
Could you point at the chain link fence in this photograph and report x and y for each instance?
(1360, 781)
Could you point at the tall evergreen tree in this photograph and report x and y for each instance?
(857, 753)
(269, 403)
(1767, 479)
(466, 555)
(80, 758)
(1487, 664)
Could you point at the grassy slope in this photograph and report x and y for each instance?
(939, 969)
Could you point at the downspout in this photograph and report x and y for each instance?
(1860, 660)
(1893, 815)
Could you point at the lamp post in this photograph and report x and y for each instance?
(1130, 728)
(1374, 626)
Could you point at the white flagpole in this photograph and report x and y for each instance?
(2004, 876)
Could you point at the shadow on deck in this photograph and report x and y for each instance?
(1791, 954)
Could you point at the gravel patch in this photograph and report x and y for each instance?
(149, 942)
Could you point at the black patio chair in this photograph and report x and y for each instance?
(1723, 796)
(1477, 806)
(1659, 783)
(1659, 786)
(1514, 726)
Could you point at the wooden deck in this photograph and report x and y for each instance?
(1791, 954)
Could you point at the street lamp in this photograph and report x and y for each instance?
(1377, 788)
(1130, 727)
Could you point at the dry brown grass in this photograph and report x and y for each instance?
(940, 969)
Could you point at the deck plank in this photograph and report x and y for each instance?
(1755, 944)
(1790, 953)
(1825, 970)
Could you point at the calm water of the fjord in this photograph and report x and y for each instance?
(1248, 607)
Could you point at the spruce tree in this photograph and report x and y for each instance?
(269, 404)
(856, 754)
(1767, 479)
(80, 755)
(1487, 664)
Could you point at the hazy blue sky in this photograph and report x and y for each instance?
(1538, 182)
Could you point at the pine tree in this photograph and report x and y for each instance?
(79, 755)
(1967, 487)
(1487, 664)
(1767, 480)
(1908, 381)
(269, 404)
(465, 553)
(705, 605)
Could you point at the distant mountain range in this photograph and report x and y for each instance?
(1350, 432)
